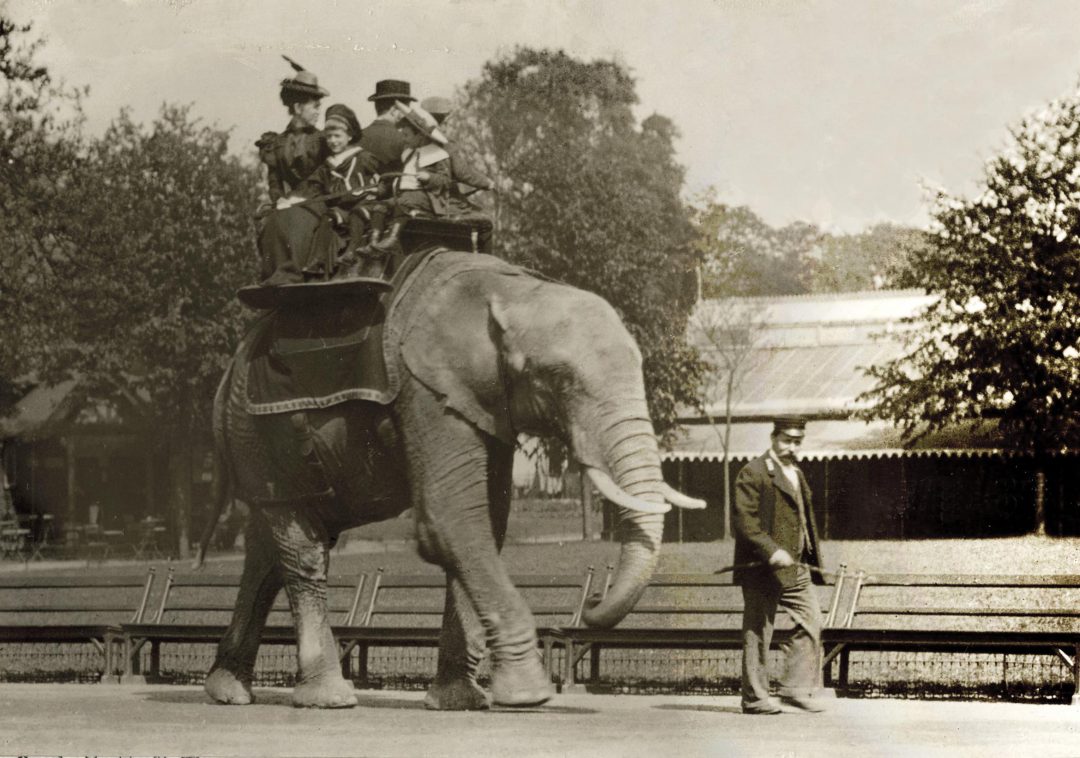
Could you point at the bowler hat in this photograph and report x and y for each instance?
(423, 122)
(392, 89)
(343, 116)
(439, 107)
(303, 83)
(792, 426)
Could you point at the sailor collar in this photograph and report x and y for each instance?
(336, 160)
(425, 155)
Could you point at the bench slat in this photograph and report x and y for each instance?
(972, 580)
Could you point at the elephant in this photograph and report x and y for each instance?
(493, 352)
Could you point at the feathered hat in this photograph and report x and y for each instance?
(303, 83)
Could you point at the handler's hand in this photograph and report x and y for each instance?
(781, 559)
(423, 177)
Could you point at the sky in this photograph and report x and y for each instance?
(836, 112)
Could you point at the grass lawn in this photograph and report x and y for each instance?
(1015, 555)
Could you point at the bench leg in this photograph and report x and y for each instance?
(155, 659)
(346, 662)
(594, 664)
(548, 656)
(132, 662)
(569, 668)
(362, 673)
(845, 665)
(1076, 675)
(109, 675)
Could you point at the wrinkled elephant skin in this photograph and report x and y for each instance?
(491, 355)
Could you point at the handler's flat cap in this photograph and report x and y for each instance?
(792, 426)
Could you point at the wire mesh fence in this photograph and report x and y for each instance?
(1028, 678)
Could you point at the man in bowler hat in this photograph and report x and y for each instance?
(381, 137)
(774, 528)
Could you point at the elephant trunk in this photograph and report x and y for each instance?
(634, 463)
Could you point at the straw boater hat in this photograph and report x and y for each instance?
(422, 121)
(439, 107)
(392, 89)
(304, 83)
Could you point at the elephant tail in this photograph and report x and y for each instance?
(222, 488)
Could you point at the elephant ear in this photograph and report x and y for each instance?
(452, 347)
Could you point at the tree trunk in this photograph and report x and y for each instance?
(727, 456)
(180, 455)
(1040, 501)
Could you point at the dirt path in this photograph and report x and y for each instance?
(59, 719)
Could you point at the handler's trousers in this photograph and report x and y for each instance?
(802, 655)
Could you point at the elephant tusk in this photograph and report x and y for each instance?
(680, 500)
(613, 492)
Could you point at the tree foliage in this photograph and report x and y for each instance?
(874, 259)
(742, 256)
(40, 159)
(143, 304)
(591, 197)
(1003, 339)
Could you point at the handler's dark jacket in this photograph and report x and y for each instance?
(766, 518)
(382, 139)
(291, 156)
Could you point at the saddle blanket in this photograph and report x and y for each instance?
(344, 349)
(325, 353)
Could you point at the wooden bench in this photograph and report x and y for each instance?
(415, 604)
(676, 612)
(196, 607)
(73, 609)
(1008, 614)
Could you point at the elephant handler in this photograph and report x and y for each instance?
(774, 527)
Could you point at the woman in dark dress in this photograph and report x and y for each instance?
(290, 157)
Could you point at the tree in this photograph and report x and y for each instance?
(743, 256)
(142, 301)
(1002, 341)
(40, 156)
(589, 196)
(872, 259)
(730, 332)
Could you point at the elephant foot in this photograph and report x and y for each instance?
(521, 684)
(457, 694)
(325, 692)
(225, 687)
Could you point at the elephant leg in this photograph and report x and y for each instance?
(461, 648)
(461, 643)
(303, 545)
(449, 464)
(229, 680)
